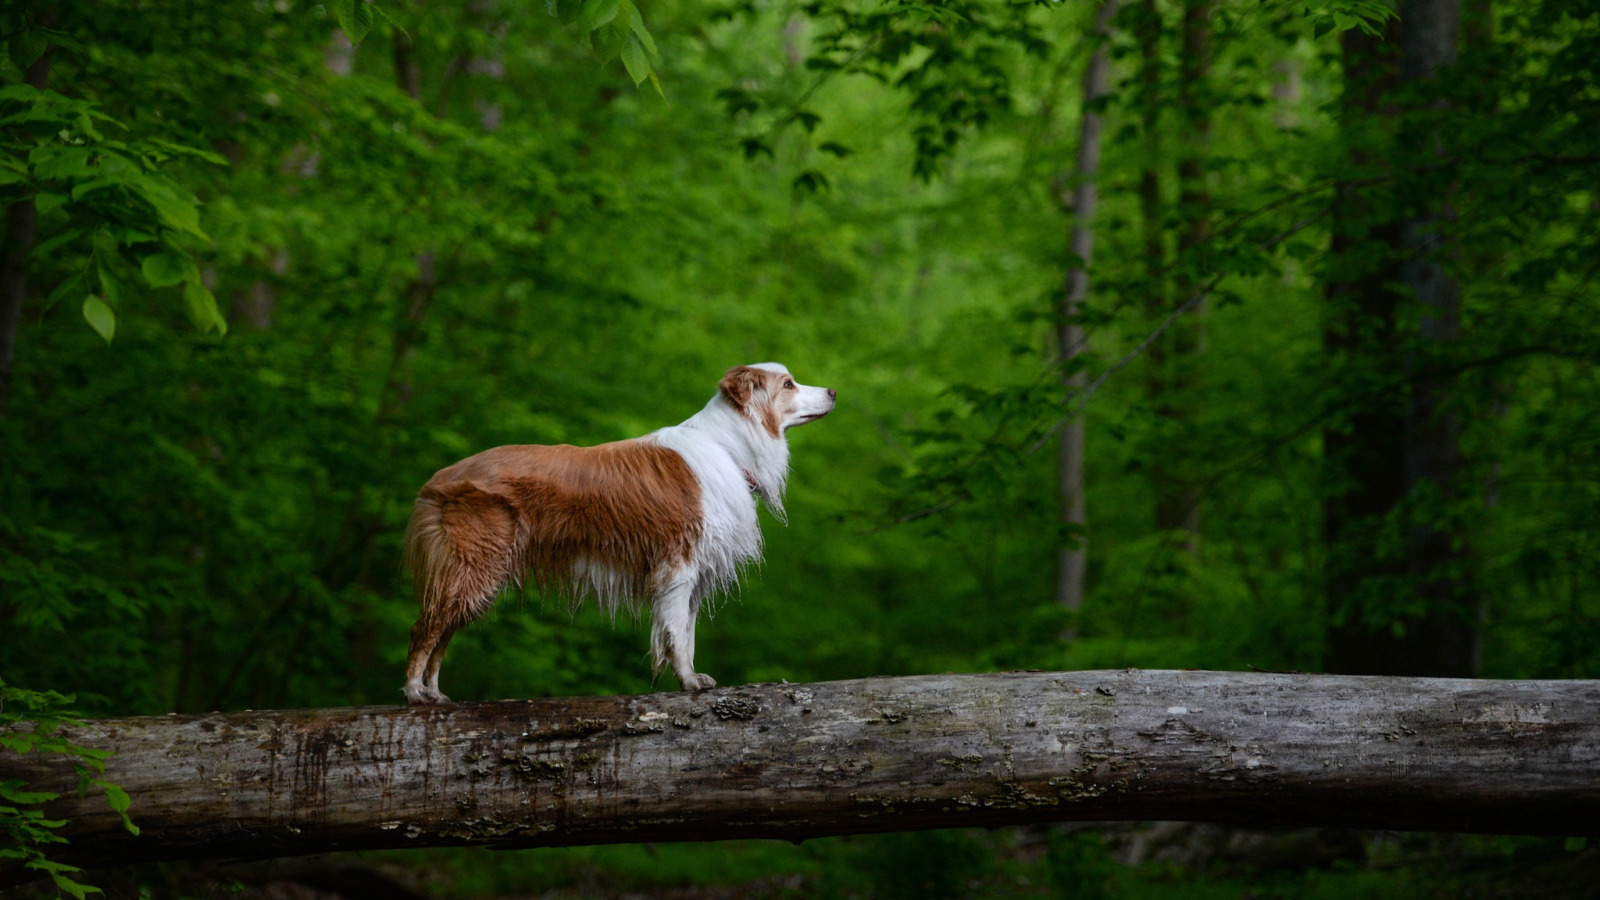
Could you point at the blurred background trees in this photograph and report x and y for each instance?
(259, 283)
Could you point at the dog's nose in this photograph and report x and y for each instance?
(832, 393)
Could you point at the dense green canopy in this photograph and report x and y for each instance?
(266, 282)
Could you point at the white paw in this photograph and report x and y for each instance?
(420, 695)
(697, 682)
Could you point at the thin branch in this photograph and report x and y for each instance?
(1191, 303)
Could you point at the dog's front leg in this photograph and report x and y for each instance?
(672, 629)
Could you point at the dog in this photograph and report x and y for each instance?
(666, 519)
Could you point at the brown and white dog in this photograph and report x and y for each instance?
(668, 519)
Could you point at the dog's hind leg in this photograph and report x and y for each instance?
(470, 561)
(428, 638)
(435, 659)
(672, 618)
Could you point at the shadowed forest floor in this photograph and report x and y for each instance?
(1156, 859)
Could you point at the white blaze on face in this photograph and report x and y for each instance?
(795, 403)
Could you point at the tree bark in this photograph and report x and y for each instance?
(796, 761)
(1157, 298)
(1072, 562)
(1176, 483)
(21, 219)
(1401, 453)
(1448, 633)
(1363, 453)
(1153, 226)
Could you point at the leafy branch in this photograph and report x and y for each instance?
(356, 18)
(128, 221)
(30, 722)
(615, 29)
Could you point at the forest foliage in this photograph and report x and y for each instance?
(261, 281)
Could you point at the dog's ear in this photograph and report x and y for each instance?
(739, 384)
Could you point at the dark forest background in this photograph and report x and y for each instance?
(1167, 333)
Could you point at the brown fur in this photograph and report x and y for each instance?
(528, 512)
(740, 386)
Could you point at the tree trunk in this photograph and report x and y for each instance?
(1157, 298)
(1448, 633)
(1071, 339)
(1177, 484)
(1402, 451)
(1363, 452)
(798, 761)
(1150, 100)
(21, 217)
(396, 390)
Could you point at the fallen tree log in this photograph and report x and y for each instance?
(796, 761)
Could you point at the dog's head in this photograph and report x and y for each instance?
(770, 396)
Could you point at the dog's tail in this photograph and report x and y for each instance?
(427, 548)
(460, 547)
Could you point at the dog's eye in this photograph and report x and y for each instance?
(788, 385)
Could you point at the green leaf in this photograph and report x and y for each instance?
(836, 148)
(119, 802)
(109, 285)
(390, 19)
(26, 47)
(201, 305)
(45, 201)
(640, 32)
(73, 888)
(21, 93)
(43, 249)
(116, 797)
(93, 756)
(61, 39)
(49, 865)
(185, 150)
(738, 101)
(167, 268)
(105, 245)
(355, 17)
(607, 43)
(811, 181)
(85, 188)
(176, 209)
(598, 12)
(636, 26)
(100, 317)
(129, 236)
(108, 282)
(635, 59)
(52, 162)
(9, 791)
(72, 284)
(85, 122)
